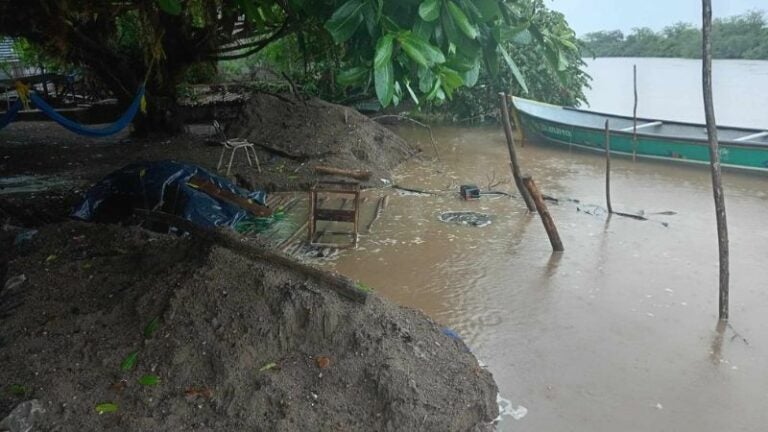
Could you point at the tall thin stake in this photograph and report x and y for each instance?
(513, 154)
(714, 157)
(634, 115)
(608, 166)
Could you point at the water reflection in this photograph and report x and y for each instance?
(596, 337)
(715, 354)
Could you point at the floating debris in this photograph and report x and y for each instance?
(469, 218)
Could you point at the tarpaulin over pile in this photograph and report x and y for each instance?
(163, 186)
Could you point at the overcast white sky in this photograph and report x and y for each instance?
(592, 15)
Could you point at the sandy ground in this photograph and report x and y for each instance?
(238, 344)
(179, 334)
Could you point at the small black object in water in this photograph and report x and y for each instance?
(469, 192)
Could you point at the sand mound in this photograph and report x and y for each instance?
(239, 345)
(322, 132)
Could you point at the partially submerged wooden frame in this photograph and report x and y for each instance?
(229, 197)
(334, 215)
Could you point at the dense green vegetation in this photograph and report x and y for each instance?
(425, 51)
(527, 63)
(739, 37)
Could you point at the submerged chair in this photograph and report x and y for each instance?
(233, 145)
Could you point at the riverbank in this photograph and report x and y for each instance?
(180, 334)
(167, 333)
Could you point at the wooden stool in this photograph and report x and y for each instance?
(334, 215)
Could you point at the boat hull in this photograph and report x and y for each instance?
(733, 155)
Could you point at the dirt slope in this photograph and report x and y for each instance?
(91, 290)
(320, 132)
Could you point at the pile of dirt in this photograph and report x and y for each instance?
(291, 136)
(235, 344)
(317, 132)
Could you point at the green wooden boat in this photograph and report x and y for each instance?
(656, 139)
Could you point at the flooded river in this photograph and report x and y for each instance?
(619, 333)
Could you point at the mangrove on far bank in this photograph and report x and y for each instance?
(737, 37)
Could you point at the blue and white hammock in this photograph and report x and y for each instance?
(73, 126)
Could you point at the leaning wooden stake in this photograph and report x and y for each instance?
(513, 154)
(546, 218)
(634, 115)
(608, 166)
(714, 157)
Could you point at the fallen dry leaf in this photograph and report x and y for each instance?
(198, 391)
(119, 386)
(322, 362)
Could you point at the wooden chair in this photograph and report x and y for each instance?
(233, 145)
(334, 215)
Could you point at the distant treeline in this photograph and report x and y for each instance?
(738, 37)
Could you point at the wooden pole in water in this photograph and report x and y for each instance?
(634, 115)
(546, 218)
(608, 166)
(513, 154)
(714, 158)
(513, 117)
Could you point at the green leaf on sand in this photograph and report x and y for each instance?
(268, 366)
(129, 361)
(363, 287)
(106, 407)
(19, 390)
(149, 380)
(151, 327)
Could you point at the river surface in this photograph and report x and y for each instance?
(670, 89)
(618, 333)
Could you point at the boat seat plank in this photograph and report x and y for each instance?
(753, 136)
(644, 125)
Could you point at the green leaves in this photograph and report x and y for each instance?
(461, 20)
(489, 9)
(345, 21)
(420, 50)
(427, 49)
(106, 407)
(172, 7)
(352, 76)
(149, 380)
(19, 390)
(384, 80)
(129, 361)
(383, 51)
(151, 327)
(515, 70)
(429, 10)
(268, 366)
(451, 80)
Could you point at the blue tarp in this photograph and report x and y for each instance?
(163, 186)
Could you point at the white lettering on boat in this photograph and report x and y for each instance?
(555, 130)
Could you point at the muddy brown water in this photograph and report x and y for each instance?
(617, 333)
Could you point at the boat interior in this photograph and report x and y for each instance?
(576, 117)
